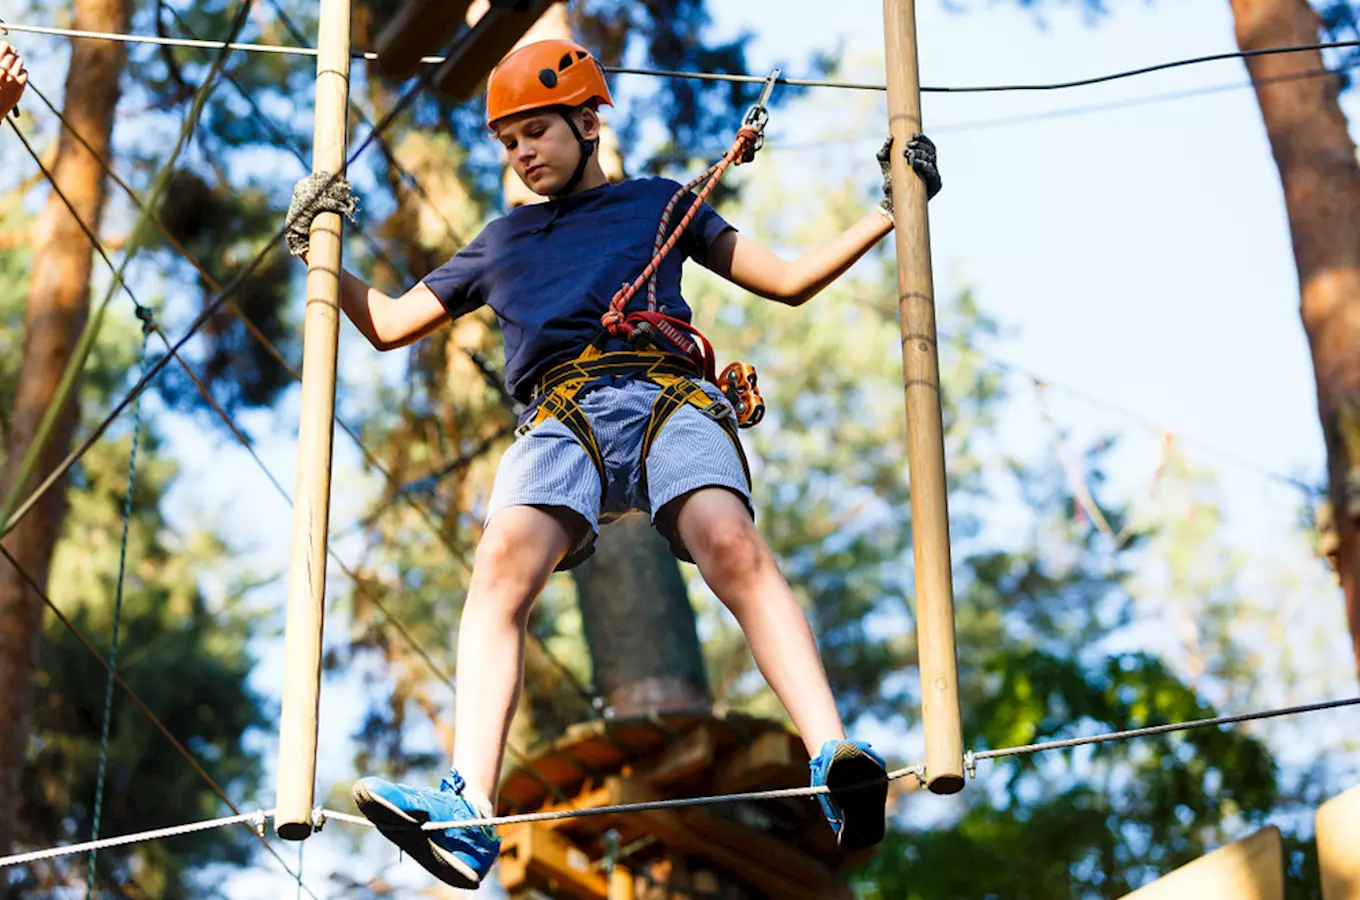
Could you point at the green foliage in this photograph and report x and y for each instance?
(185, 655)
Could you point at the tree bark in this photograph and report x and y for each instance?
(635, 611)
(1321, 179)
(57, 308)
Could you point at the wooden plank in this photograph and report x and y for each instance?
(418, 29)
(1249, 869)
(478, 51)
(774, 867)
(691, 756)
(536, 857)
(775, 759)
(1338, 843)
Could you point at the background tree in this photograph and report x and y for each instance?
(56, 312)
(185, 654)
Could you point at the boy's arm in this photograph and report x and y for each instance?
(387, 322)
(390, 322)
(749, 265)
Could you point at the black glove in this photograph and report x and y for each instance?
(920, 153)
(317, 193)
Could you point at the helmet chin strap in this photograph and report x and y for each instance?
(587, 150)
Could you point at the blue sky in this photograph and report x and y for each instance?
(1140, 255)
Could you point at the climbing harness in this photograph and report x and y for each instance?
(558, 391)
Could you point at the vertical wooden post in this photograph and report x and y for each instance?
(925, 426)
(1338, 823)
(621, 884)
(311, 500)
(1249, 869)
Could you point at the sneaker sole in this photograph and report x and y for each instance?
(864, 808)
(403, 829)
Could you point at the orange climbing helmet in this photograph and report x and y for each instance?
(545, 73)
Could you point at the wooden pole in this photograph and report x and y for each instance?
(925, 425)
(311, 499)
(1249, 869)
(1338, 823)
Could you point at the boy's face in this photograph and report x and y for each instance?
(542, 150)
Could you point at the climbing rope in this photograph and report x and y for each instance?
(148, 325)
(639, 325)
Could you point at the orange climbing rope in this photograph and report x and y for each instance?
(643, 325)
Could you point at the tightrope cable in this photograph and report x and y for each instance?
(1149, 730)
(321, 814)
(137, 701)
(137, 838)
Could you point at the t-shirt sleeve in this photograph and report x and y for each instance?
(458, 282)
(703, 230)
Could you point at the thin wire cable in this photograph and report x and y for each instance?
(1130, 103)
(399, 492)
(517, 755)
(137, 701)
(1131, 733)
(643, 806)
(137, 838)
(1229, 456)
(258, 818)
(117, 618)
(383, 146)
(199, 321)
(731, 77)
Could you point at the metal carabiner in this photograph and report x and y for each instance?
(758, 116)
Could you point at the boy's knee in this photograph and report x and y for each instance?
(729, 547)
(522, 545)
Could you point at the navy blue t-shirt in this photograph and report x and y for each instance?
(550, 269)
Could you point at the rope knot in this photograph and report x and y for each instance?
(616, 322)
(148, 317)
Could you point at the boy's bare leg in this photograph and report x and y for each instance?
(738, 565)
(518, 551)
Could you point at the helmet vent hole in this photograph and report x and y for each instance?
(564, 62)
(581, 55)
(548, 77)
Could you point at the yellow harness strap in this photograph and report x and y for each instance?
(561, 385)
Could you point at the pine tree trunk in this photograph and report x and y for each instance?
(1321, 178)
(57, 309)
(636, 615)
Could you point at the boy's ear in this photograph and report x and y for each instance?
(588, 121)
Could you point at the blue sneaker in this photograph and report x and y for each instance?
(858, 802)
(458, 856)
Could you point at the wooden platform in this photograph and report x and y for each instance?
(776, 848)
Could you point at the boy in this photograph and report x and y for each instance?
(549, 271)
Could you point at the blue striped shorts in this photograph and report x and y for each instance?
(547, 467)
